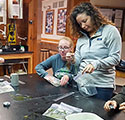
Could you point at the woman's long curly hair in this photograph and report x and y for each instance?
(96, 17)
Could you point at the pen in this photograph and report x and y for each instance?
(63, 96)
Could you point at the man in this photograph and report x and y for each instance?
(117, 102)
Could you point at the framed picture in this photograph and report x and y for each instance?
(61, 21)
(3, 12)
(49, 21)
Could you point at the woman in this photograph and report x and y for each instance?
(98, 48)
(118, 101)
(62, 69)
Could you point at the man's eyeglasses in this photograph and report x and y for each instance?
(62, 49)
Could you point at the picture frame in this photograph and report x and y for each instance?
(61, 21)
(49, 22)
(3, 12)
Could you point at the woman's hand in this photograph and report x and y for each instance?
(70, 57)
(64, 80)
(108, 103)
(122, 106)
(88, 69)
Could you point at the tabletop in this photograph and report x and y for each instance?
(35, 95)
(15, 52)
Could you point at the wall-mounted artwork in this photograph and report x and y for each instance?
(2, 11)
(49, 21)
(61, 21)
(15, 9)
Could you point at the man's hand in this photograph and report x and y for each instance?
(108, 103)
(122, 106)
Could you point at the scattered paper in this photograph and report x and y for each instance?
(5, 87)
(60, 111)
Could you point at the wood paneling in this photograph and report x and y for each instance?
(44, 54)
(48, 44)
(120, 74)
(48, 48)
(27, 1)
(34, 30)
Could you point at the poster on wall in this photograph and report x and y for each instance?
(2, 11)
(49, 21)
(15, 9)
(12, 34)
(61, 21)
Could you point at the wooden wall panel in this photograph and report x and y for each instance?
(44, 54)
(48, 48)
(34, 30)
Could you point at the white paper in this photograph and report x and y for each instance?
(5, 87)
(60, 111)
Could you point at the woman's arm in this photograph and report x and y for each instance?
(43, 66)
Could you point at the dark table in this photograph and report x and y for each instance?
(39, 96)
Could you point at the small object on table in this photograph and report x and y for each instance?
(111, 107)
(64, 96)
(6, 104)
(14, 78)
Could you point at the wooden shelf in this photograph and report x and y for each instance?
(120, 74)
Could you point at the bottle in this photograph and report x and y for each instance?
(14, 78)
(21, 47)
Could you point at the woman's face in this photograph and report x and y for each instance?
(64, 47)
(85, 22)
